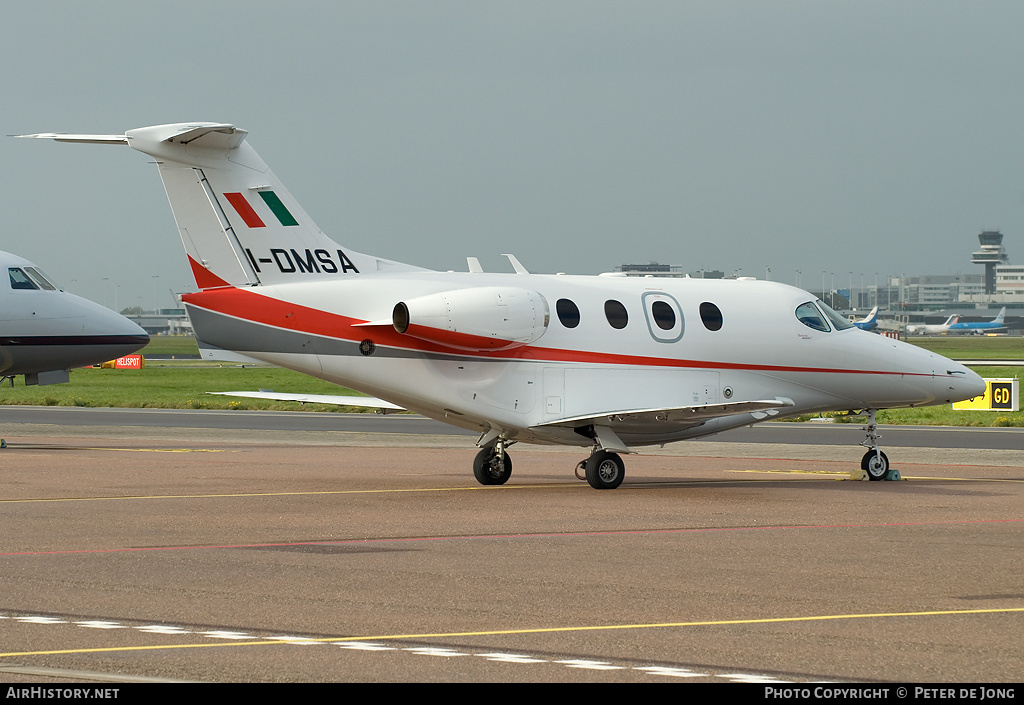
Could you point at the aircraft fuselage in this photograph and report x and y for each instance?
(661, 343)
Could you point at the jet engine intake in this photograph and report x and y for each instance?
(479, 319)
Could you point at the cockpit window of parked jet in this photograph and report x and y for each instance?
(41, 281)
(20, 280)
(810, 316)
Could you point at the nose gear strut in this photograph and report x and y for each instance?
(875, 464)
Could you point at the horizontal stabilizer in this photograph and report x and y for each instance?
(336, 399)
(84, 139)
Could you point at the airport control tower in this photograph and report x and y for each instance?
(991, 253)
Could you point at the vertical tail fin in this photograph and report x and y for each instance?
(238, 223)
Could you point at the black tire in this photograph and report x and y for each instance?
(875, 464)
(605, 471)
(488, 469)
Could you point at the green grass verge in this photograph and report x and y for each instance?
(176, 385)
(973, 347)
(171, 345)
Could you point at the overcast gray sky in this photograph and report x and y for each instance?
(863, 137)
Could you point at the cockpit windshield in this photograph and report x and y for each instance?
(818, 315)
(29, 278)
(839, 322)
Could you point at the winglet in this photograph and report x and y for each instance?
(516, 264)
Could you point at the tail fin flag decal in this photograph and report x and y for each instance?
(242, 207)
(278, 208)
(251, 218)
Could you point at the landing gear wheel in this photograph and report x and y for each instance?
(605, 471)
(490, 469)
(875, 464)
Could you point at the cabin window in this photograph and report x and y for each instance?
(711, 316)
(664, 316)
(616, 314)
(20, 280)
(810, 316)
(568, 313)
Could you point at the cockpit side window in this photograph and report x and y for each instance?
(810, 316)
(20, 280)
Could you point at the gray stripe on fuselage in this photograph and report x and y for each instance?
(239, 335)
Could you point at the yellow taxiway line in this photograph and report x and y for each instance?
(512, 632)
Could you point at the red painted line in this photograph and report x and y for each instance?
(243, 208)
(477, 537)
(254, 307)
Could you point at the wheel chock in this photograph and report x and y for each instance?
(861, 474)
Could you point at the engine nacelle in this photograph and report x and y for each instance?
(480, 319)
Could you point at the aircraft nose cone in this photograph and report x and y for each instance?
(972, 386)
(961, 383)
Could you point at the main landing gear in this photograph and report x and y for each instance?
(875, 463)
(492, 465)
(603, 470)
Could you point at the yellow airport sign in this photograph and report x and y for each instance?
(1000, 395)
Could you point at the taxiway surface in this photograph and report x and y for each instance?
(260, 553)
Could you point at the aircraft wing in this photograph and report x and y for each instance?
(337, 399)
(677, 416)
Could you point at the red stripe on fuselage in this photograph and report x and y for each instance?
(257, 308)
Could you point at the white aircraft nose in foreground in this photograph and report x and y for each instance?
(608, 363)
(45, 332)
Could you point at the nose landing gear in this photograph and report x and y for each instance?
(875, 464)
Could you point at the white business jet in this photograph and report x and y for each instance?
(607, 363)
(45, 332)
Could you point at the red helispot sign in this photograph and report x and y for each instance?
(128, 362)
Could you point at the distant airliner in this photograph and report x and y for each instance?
(606, 363)
(932, 328)
(996, 325)
(869, 322)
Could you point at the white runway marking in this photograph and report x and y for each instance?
(40, 620)
(98, 624)
(496, 656)
(216, 634)
(364, 646)
(592, 665)
(670, 671)
(435, 651)
(162, 629)
(512, 658)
